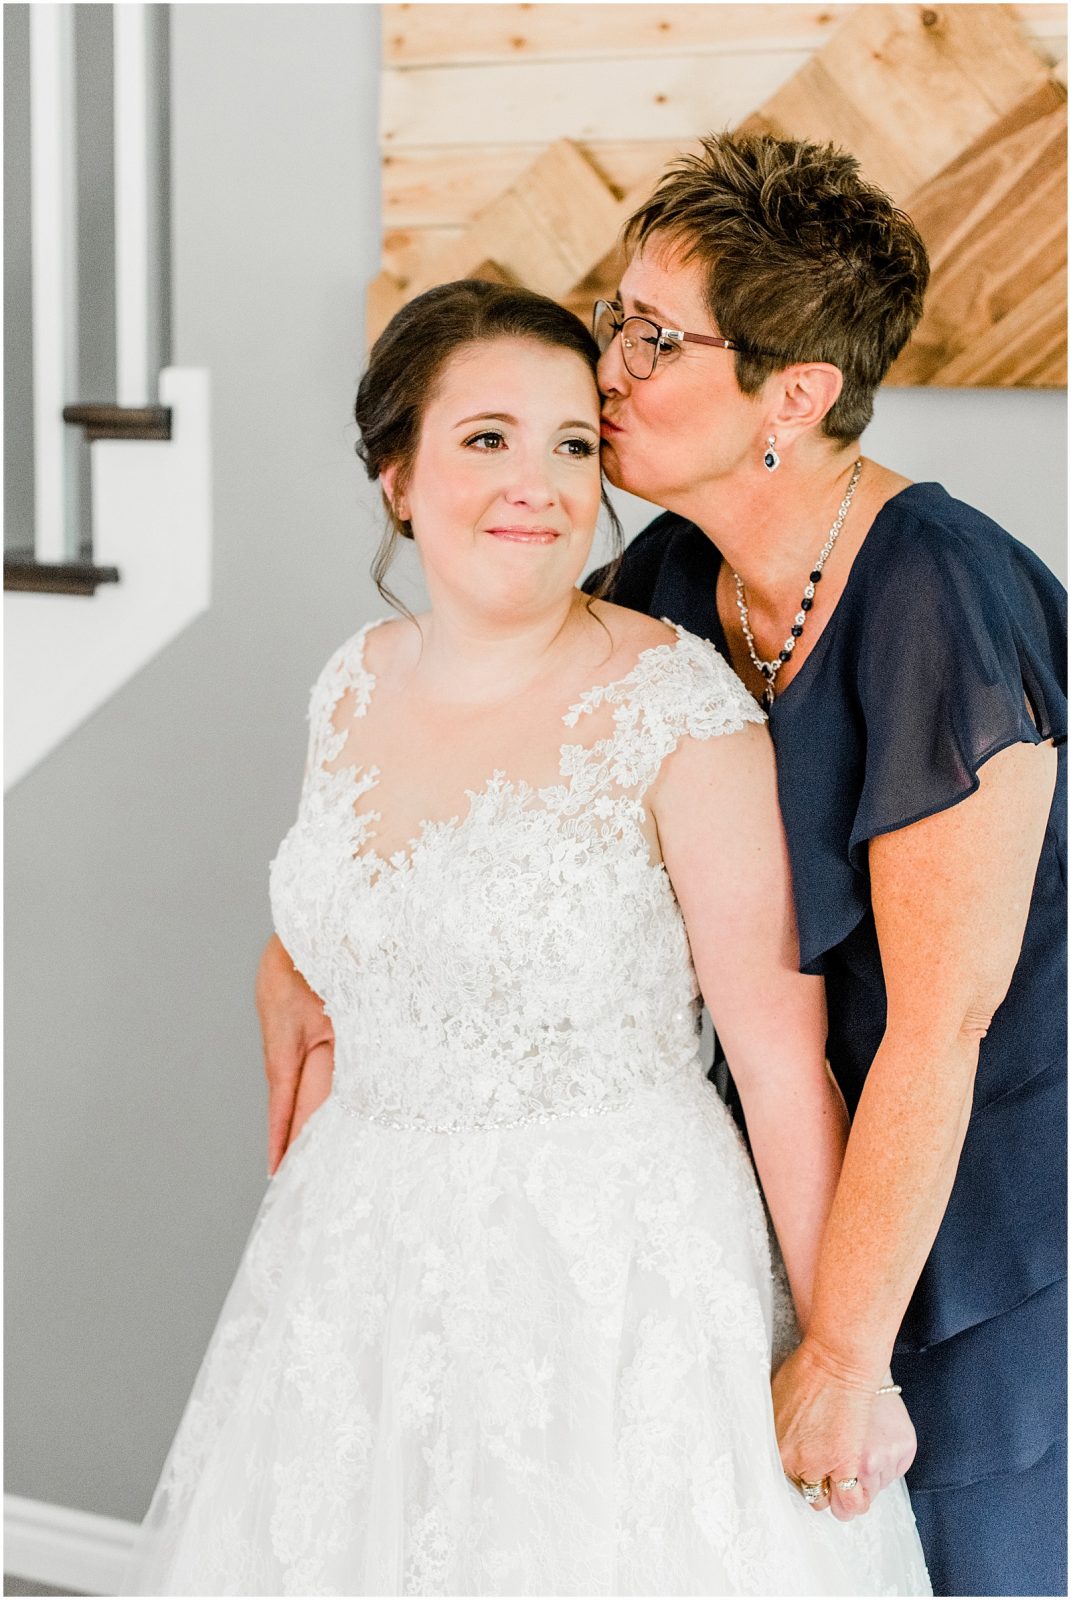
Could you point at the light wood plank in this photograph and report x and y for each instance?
(547, 230)
(409, 252)
(1016, 170)
(995, 224)
(1042, 21)
(438, 35)
(666, 98)
(905, 94)
(908, 88)
(551, 230)
(384, 296)
(415, 255)
(428, 187)
(424, 35)
(1051, 48)
(1026, 349)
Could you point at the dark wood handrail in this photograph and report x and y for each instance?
(22, 572)
(120, 422)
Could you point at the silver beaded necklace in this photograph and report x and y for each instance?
(770, 669)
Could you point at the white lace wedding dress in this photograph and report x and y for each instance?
(503, 1324)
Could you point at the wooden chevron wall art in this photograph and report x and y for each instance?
(516, 139)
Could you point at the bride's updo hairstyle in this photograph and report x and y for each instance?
(409, 358)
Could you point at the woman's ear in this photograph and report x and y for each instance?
(808, 392)
(389, 480)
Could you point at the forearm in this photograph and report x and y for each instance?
(894, 1187)
(798, 1130)
(275, 966)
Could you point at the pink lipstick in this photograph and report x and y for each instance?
(524, 535)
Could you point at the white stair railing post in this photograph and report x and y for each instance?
(54, 280)
(137, 236)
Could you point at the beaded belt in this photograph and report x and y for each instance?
(685, 1072)
(383, 1120)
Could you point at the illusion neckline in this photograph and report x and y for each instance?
(401, 861)
(569, 715)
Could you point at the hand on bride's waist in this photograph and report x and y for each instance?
(298, 1043)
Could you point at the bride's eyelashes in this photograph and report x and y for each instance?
(584, 447)
(481, 438)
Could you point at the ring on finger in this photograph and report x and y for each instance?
(847, 1484)
(813, 1492)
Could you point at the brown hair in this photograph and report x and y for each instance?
(408, 360)
(804, 260)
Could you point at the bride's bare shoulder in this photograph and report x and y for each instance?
(392, 645)
(632, 632)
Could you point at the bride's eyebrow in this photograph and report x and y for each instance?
(503, 416)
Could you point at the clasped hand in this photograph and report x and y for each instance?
(831, 1425)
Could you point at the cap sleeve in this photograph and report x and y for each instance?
(344, 672)
(961, 656)
(700, 697)
(684, 689)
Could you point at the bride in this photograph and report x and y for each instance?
(506, 1318)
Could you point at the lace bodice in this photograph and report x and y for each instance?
(533, 1361)
(525, 960)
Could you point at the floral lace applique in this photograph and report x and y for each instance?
(483, 1341)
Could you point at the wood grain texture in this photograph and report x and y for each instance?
(1026, 349)
(440, 35)
(384, 296)
(428, 187)
(548, 230)
(906, 88)
(437, 35)
(665, 98)
(409, 254)
(956, 110)
(995, 225)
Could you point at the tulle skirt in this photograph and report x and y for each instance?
(534, 1360)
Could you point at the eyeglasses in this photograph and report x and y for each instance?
(643, 342)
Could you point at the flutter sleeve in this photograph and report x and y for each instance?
(962, 653)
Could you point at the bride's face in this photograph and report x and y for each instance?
(504, 492)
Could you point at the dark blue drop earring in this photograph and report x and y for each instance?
(771, 460)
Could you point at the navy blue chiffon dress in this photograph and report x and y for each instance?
(947, 645)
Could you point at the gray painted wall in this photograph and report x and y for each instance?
(137, 855)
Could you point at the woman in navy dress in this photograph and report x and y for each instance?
(909, 654)
(915, 677)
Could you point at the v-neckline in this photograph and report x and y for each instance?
(821, 645)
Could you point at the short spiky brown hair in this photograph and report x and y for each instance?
(802, 256)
